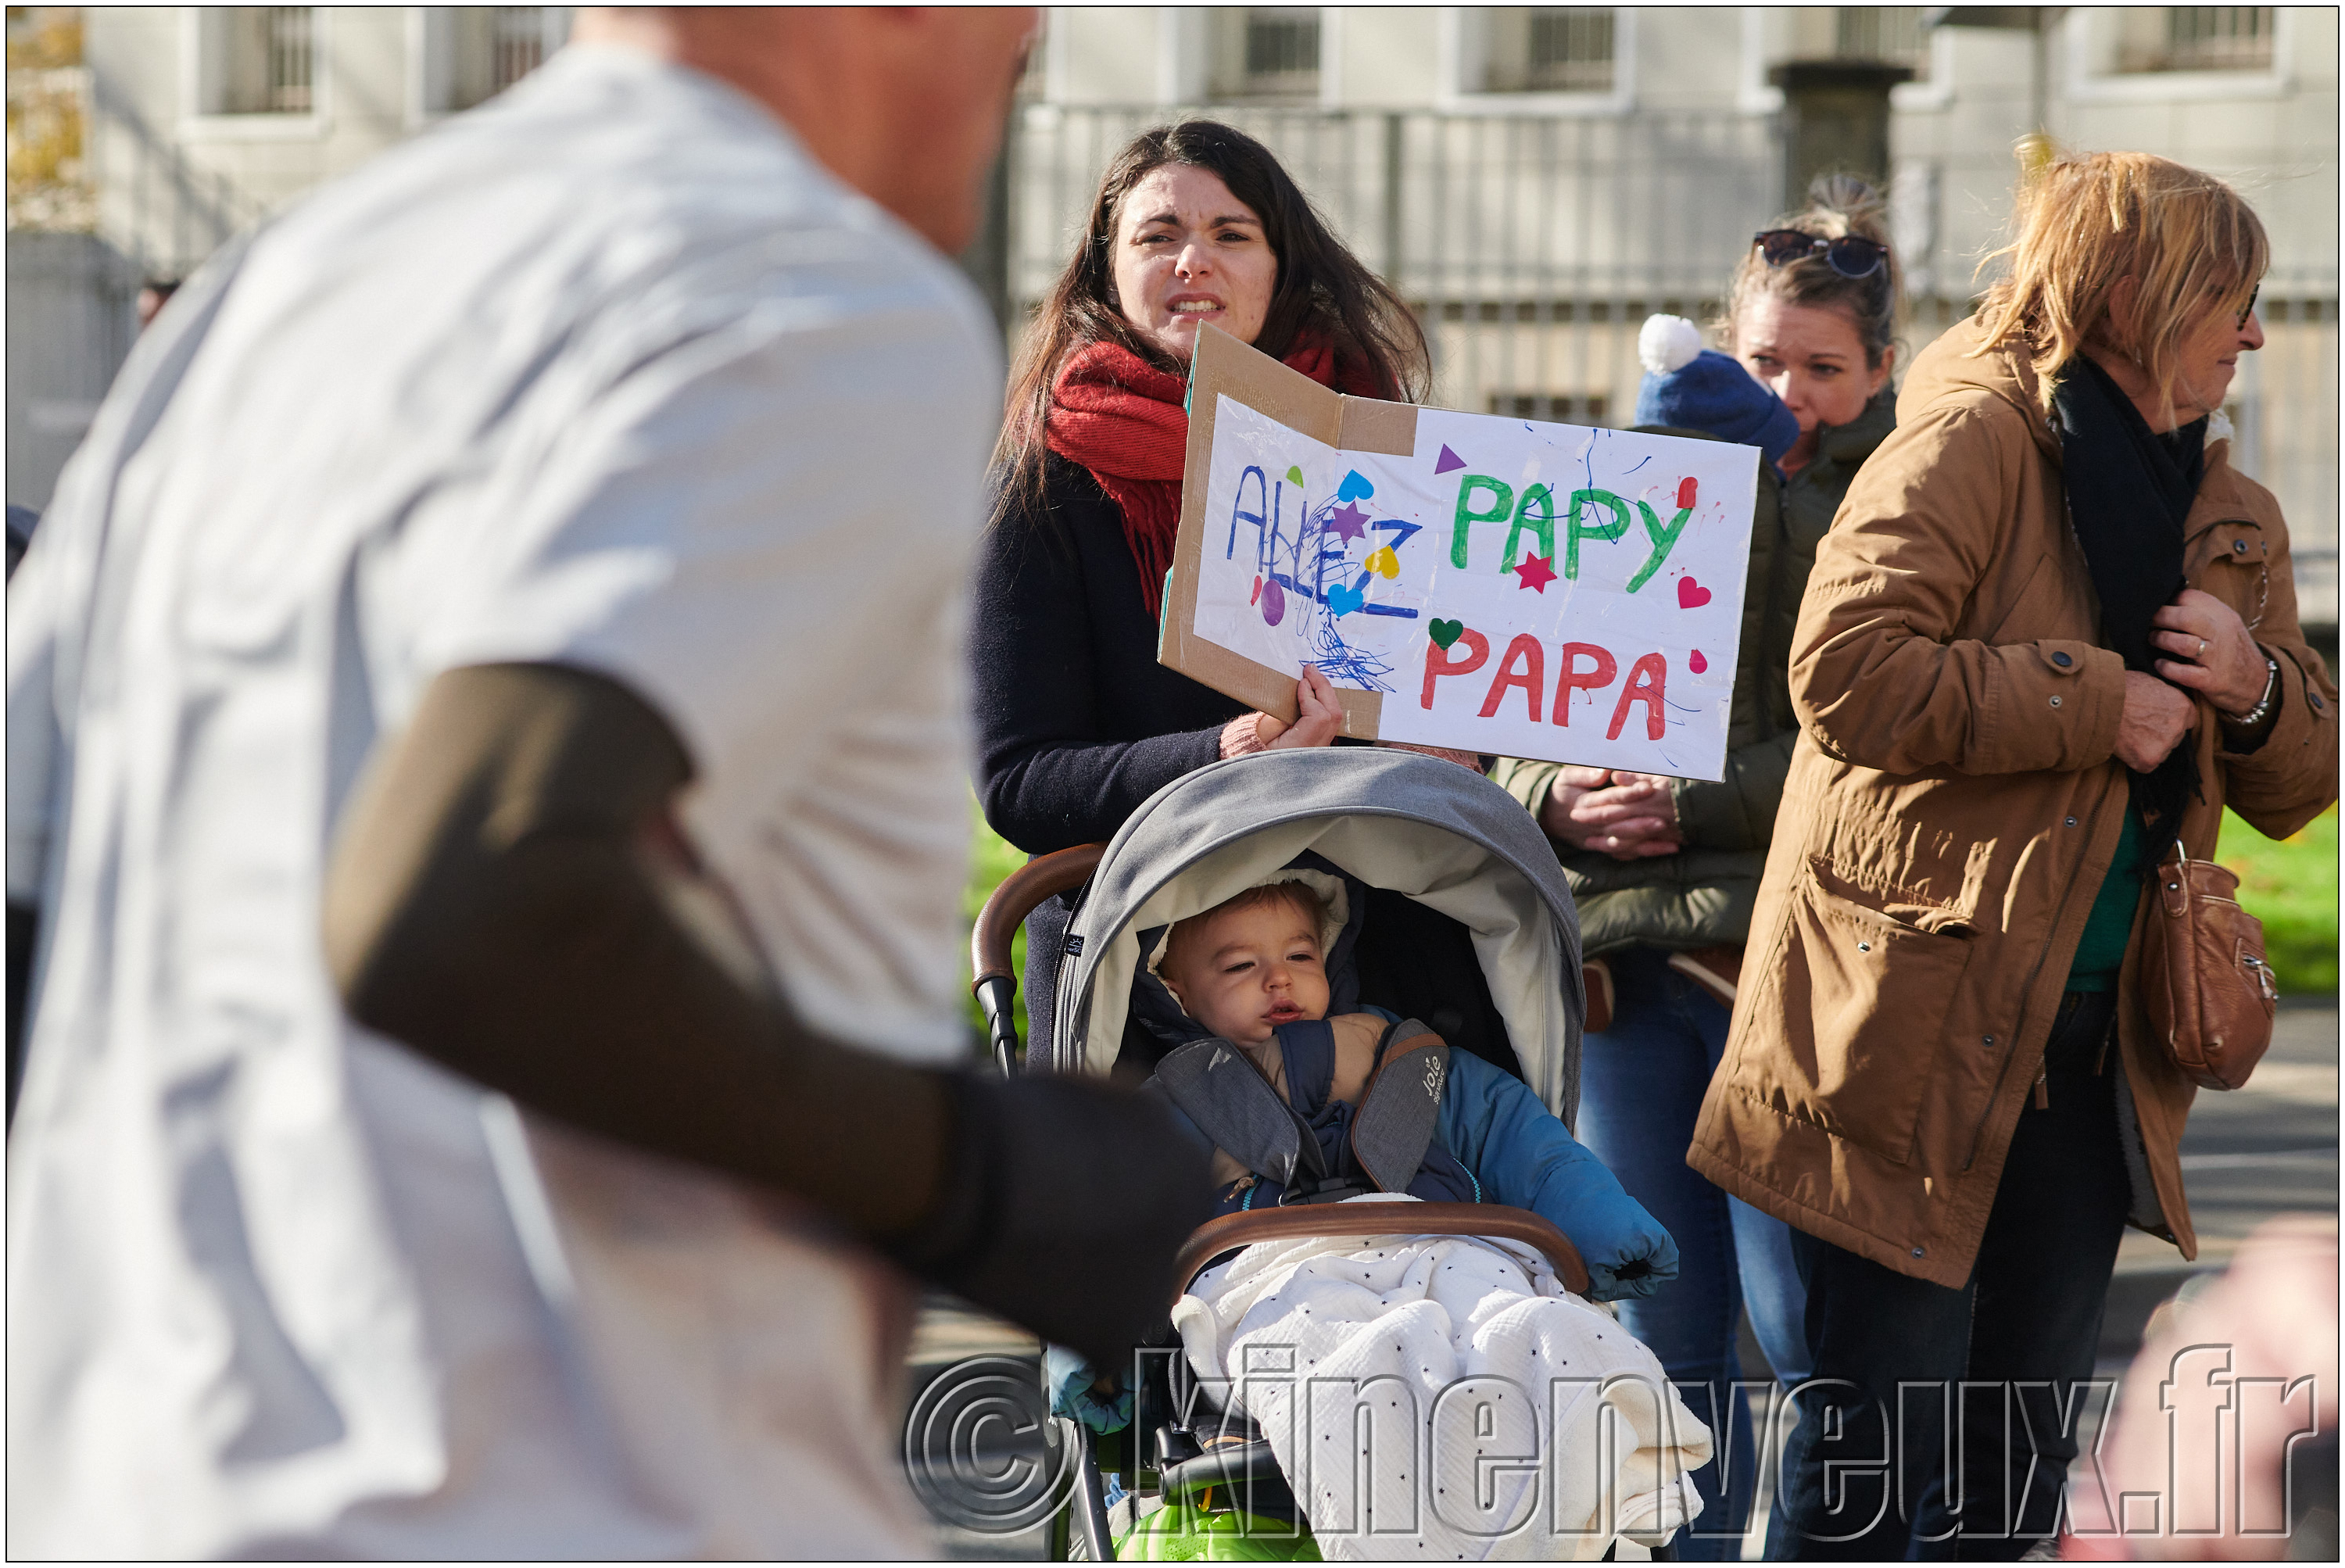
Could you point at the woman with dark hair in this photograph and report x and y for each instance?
(1077, 722)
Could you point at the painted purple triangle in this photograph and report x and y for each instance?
(1449, 461)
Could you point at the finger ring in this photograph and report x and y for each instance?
(2202, 647)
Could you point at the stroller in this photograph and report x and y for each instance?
(1468, 925)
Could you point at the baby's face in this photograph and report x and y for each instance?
(1244, 972)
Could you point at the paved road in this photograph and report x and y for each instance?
(974, 1437)
(2267, 1149)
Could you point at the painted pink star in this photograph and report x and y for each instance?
(1536, 572)
(1347, 522)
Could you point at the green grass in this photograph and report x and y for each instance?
(2291, 886)
(989, 861)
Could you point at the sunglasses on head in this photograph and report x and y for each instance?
(1850, 256)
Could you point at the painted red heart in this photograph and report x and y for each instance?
(1690, 594)
(1696, 663)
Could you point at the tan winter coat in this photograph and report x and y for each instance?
(1952, 807)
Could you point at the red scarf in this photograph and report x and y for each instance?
(1125, 420)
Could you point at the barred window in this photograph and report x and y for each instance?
(257, 60)
(517, 44)
(1891, 34)
(472, 52)
(2196, 38)
(1282, 50)
(1572, 49)
(1551, 49)
(289, 32)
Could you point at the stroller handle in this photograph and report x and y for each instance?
(996, 985)
(1230, 1232)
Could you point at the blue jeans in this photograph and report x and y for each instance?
(1642, 1085)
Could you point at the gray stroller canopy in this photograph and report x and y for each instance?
(1441, 834)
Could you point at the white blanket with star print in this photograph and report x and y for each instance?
(1444, 1398)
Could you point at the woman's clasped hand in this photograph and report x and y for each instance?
(1629, 816)
(2212, 653)
(2154, 719)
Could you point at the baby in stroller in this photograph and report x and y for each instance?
(1252, 971)
(1306, 1108)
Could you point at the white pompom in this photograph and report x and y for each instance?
(1665, 343)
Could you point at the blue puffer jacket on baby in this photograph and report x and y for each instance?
(1524, 1157)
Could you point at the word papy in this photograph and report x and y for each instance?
(1534, 514)
(1524, 668)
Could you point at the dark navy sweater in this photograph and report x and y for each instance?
(1077, 723)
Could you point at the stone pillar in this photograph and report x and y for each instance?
(1835, 120)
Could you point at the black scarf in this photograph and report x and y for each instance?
(2129, 492)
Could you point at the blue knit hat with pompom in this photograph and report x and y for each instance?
(1694, 388)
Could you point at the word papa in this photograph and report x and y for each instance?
(1524, 668)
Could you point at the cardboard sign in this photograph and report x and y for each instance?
(1474, 581)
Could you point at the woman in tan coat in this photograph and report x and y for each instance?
(2052, 631)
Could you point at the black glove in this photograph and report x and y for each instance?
(1064, 1202)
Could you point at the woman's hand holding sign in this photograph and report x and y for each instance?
(1319, 718)
(1318, 722)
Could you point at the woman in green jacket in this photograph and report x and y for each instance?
(1666, 870)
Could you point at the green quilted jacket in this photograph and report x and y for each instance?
(1701, 896)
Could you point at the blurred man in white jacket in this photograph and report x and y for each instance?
(486, 717)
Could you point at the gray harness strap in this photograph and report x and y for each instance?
(1218, 1088)
(1395, 1124)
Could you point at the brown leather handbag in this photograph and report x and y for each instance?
(2209, 991)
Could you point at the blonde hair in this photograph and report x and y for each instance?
(1838, 205)
(2087, 221)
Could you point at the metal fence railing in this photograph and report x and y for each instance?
(1513, 235)
(1532, 248)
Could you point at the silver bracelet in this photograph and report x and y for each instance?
(2262, 709)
